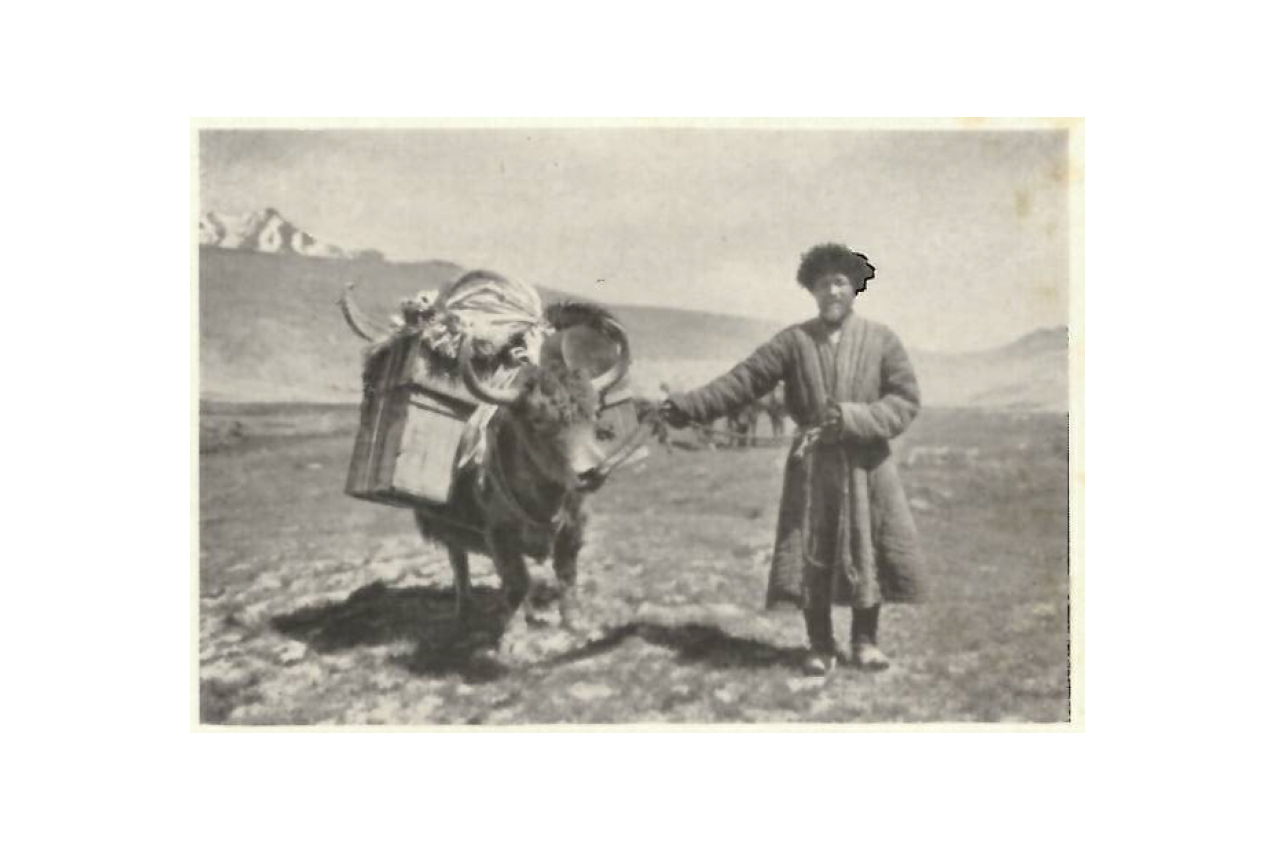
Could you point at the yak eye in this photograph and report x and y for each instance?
(605, 433)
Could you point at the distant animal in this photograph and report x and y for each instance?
(774, 407)
(742, 423)
(525, 498)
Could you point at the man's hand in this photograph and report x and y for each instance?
(671, 414)
(831, 422)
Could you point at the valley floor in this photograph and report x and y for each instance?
(316, 608)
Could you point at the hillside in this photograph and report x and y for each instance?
(270, 330)
(1030, 373)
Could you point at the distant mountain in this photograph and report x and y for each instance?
(270, 330)
(268, 232)
(1029, 373)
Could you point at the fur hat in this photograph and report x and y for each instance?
(837, 258)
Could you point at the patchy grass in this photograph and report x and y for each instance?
(319, 609)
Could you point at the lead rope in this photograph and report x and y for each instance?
(802, 453)
(632, 442)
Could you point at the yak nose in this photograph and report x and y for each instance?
(590, 480)
(582, 467)
(586, 460)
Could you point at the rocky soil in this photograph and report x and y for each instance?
(315, 608)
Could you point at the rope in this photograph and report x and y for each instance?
(757, 441)
(633, 441)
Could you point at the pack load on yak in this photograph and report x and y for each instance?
(420, 423)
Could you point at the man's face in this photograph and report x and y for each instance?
(834, 294)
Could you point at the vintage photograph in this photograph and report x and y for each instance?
(673, 424)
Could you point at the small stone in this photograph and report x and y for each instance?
(388, 572)
(556, 642)
(253, 615)
(805, 683)
(590, 692)
(226, 673)
(266, 581)
(293, 652)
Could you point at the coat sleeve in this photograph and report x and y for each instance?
(894, 411)
(752, 378)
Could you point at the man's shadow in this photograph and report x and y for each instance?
(694, 643)
(376, 615)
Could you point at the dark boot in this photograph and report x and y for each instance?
(821, 657)
(864, 651)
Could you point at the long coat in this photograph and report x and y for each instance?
(868, 374)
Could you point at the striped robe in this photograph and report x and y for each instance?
(843, 506)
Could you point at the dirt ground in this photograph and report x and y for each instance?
(315, 608)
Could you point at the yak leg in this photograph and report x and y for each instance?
(515, 583)
(461, 582)
(566, 550)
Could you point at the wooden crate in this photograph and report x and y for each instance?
(413, 419)
(411, 424)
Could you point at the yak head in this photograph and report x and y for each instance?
(554, 411)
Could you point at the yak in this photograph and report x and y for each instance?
(525, 498)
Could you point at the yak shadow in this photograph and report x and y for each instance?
(376, 615)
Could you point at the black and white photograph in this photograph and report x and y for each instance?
(637, 424)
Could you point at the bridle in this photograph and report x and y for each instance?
(633, 441)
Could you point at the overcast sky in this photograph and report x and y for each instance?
(968, 230)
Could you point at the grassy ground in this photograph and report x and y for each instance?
(317, 608)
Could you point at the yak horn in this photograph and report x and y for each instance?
(357, 319)
(615, 374)
(477, 388)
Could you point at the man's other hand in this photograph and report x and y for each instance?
(671, 414)
(831, 422)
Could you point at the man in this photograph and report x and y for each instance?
(845, 532)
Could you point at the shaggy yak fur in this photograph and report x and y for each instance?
(527, 462)
(567, 313)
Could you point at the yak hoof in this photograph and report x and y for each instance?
(580, 625)
(512, 648)
(569, 612)
(513, 642)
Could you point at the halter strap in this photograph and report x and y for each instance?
(496, 474)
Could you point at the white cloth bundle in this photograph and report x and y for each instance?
(492, 308)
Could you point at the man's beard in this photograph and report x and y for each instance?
(834, 313)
